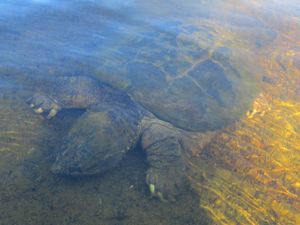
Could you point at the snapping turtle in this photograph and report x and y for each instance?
(152, 89)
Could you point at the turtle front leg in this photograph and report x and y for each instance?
(162, 144)
(44, 105)
(66, 92)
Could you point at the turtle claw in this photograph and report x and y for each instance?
(39, 110)
(52, 113)
(164, 184)
(157, 194)
(43, 105)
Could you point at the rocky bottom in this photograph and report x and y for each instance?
(31, 195)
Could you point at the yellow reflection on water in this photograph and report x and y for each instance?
(250, 172)
(253, 169)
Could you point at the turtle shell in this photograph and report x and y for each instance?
(182, 71)
(178, 73)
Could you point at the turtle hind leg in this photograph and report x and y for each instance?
(166, 175)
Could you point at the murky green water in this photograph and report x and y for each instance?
(226, 74)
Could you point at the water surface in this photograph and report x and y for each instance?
(247, 175)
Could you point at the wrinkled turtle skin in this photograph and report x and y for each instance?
(112, 125)
(157, 87)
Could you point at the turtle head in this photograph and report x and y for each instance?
(97, 142)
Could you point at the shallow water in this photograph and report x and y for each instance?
(248, 172)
